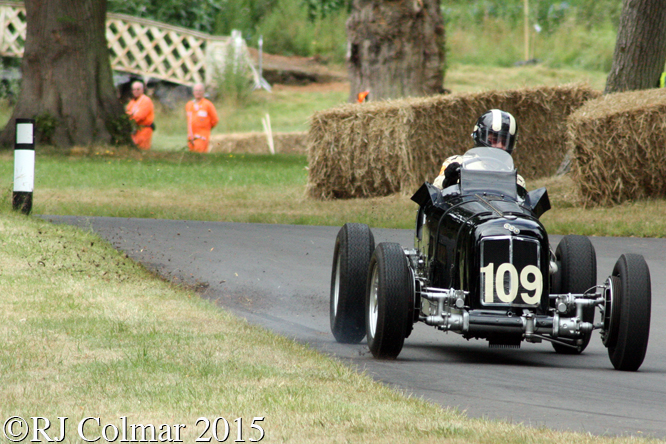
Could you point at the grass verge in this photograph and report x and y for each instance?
(88, 333)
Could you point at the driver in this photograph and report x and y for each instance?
(494, 129)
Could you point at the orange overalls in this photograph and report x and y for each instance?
(201, 118)
(142, 112)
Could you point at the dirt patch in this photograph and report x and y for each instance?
(296, 70)
(314, 87)
(257, 143)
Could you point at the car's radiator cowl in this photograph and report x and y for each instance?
(510, 273)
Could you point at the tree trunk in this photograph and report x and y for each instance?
(67, 85)
(640, 50)
(396, 48)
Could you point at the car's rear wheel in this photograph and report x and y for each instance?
(353, 247)
(578, 273)
(628, 323)
(387, 301)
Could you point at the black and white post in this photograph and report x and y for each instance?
(24, 165)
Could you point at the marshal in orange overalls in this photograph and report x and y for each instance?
(142, 112)
(201, 119)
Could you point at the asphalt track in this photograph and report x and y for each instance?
(278, 276)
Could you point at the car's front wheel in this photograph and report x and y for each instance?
(578, 273)
(628, 323)
(387, 301)
(353, 247)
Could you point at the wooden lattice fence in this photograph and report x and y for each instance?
(12, 38)
(139, 46)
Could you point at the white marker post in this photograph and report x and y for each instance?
(24, 165)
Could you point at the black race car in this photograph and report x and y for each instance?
(482, 267)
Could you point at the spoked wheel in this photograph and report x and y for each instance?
(353, 248)
(577, 274)
(627, 323)
(387, 302)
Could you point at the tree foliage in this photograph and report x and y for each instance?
(324, 8)
(199, 14)
(244, 15)
(210, 16)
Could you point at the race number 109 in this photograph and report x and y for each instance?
(530, 279)
(219, 429)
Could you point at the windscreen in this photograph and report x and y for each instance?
(487, 159)
(488, 170)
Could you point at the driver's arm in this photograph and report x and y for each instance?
(439, 180)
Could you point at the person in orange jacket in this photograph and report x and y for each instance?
(140, 109)
(201, 119)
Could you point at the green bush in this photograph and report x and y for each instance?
(45, 126)
(10, 86)
(193, 14)
(289, 30)
(243, 15)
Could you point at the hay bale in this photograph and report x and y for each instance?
(619, 144)
(256, 143)
(376, 149)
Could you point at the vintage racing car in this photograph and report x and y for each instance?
(482, 267)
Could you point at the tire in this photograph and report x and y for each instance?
(634, 300)
(353, 247)
(577, 274)
(387, 301)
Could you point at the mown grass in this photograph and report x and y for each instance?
(86, 332)
(224, 187)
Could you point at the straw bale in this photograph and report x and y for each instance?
(380, 148)
(618, 143)
(257, 143)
